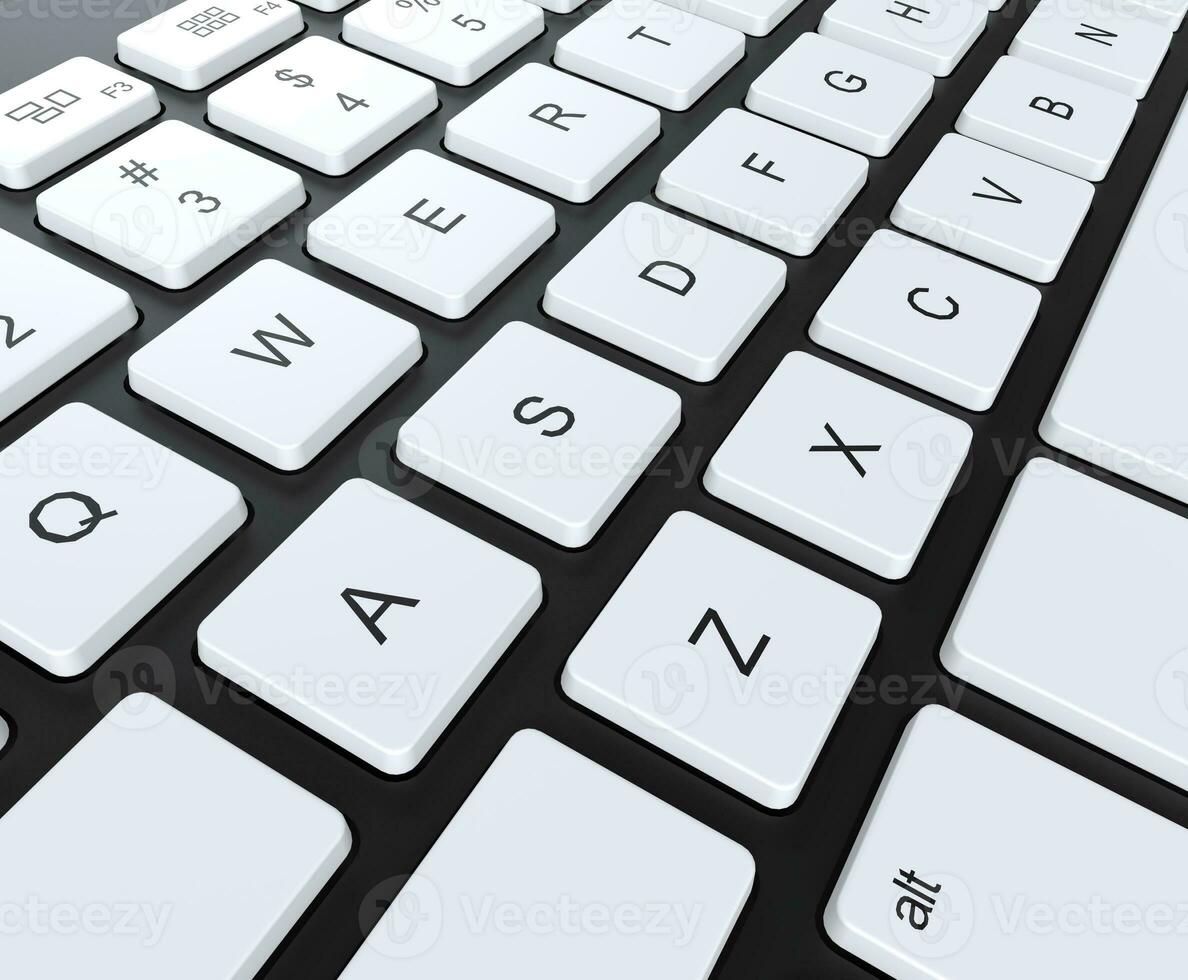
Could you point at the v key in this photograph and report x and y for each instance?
(1003, 194)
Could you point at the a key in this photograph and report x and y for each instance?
(3, 734)
(668, 290)
(542, 432)
(994, 206)
(1100, 43)
(841, 93)
(980, 859)
(554, 131)
(323, 104)
(1052, 611)
(1049, 117)
(846, 464)
(932, 35)
(726, 655)
(327, 6)
(651, 50)
(433, 233)
(111, 893)
(277, 363)
(556, 867)
(755, 17)
(53, 317)
(765, 181)
(1121, 403)
(103, 523)
(329, 611)
(559, 6)
(457, 41)
(172, 204)
(1169, 13)
(196, 43)
(61, 115)
(928, 317)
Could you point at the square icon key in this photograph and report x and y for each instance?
(375, 654)
(726, 655)
(172, 204)
(277, 363)
(323, 104)
(542, 432)
(103, 523)
(846, 464)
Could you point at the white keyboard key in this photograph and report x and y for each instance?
(846, 464)
(114, 893)
(457, 41)
(668, 290)
(542, 432)
(554, 131)
(755, 17)
(555, 867)
(1108, 45)
(1052, 612)
(323, 104)
(1169, 13)
(1122, 403)
(326, 6)
(651, 50)
(724, 654)
(932, 35)
(995, 206)
(928, 317)
(172, 204)
(433, 233)
(109, 518)
(197, 42)
(841, 93)
(980, 859)
(330, 611)
(765, 181)
(3, 734)
(53, 317)
(1049, 117)
(559, 6)
(277, 363)
(58, 117)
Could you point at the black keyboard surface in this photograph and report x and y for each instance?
(395, 820)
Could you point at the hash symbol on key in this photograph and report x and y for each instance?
(840, 447)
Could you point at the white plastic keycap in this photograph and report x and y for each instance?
(1086, 631)
(554, 131)
(972, 865)
(542, 432)
(651, 50)
(457, 41)
(1049, 117)
(556, 867)
(755, 17)
(53, 317)
(1109, 44)
(323, 104)
(432, 232)
(928, 317)
(724, 654)
(113, 895)
(61, 115)
(172, 204)
(667, 290)
(277, 363)
(197, 42)
(995, 206)
(330, 612)
(4, 732)
(1169, 13)
(841, 93)
(846, 464)
(107, 517)
(765, 181)
(932, 35)
(1121, 403)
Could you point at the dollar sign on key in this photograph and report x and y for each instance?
(299, 81)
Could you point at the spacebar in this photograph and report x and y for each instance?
(1122, 403)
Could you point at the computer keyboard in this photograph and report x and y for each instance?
(535, 489)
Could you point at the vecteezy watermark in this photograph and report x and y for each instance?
(144, 462)
(143, 922)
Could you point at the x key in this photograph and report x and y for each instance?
(840, 447)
